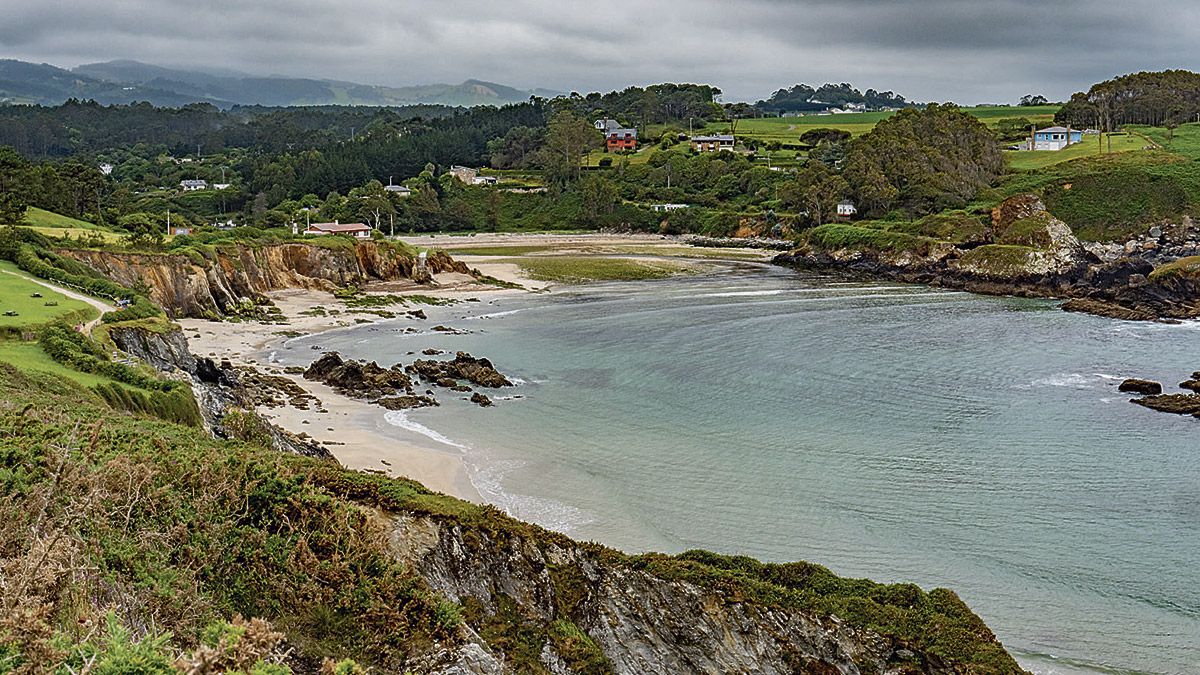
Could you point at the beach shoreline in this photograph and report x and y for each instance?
(357, 433)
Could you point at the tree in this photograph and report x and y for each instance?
(372, 203)
(930, 159)
(816, 189)
(491, 209)
(516, 149)
(1033, 99)
(145, 229)
(568, 138)
(13, 196)
(600, 198)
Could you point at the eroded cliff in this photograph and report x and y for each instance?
(215, 281)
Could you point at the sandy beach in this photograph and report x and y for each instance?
(354, 431)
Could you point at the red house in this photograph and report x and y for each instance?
(620, 139)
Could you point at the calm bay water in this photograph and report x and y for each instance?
(888, 431)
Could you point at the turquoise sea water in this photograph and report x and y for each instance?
(889, 431)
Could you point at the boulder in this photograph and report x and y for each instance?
(406, 402)
(1136, 386)
(1177, 404)
(480, 372)
(481, 400)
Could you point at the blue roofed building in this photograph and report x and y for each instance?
(1056, 138)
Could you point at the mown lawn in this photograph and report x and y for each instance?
(16, 295)
(1025, 160)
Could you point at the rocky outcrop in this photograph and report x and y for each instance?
(359, 379)
(214, 284)
(1029, 252)
(1177, 404)
(1136, 386)
(219, 388)
(1025, 251)
(480, 372)
(604, 613)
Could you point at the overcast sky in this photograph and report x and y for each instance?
(967, 51)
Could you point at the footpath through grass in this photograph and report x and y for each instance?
(34, 304)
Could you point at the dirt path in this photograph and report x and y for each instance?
(98, 304)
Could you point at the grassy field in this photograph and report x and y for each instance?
(1184, 141)
(584, 269)
(28, 356)
(16, 295)
(39, 218)
(789, 129)
(1023, 160)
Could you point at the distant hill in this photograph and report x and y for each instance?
(22, 82)
(124, 81)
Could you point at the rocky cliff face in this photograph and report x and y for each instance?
(209, 285)
(218, 388)
(1025, 251)
(606, 617)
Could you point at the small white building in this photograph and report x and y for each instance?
(193, 185)
(398, 190)
(713, 143)
(484, 180)
(356, 230)
(667, 207)
(846, 209)
(106, 169)
(221, 186)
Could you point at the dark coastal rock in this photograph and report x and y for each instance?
(358, 379)
(1136, 386)
(406, 402)
(1192, 384)
(1108, 309)
(1177, 404)
(432, 352)
(480, 372)
(481, 400)
(417, 314)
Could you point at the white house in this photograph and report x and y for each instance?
(604, 126)
(221, 186)
(846, 209)
(484, 180)
(192, 185)
(712, 143)
(106, 168)
(398, 190)
(356, 230)
(667, 207)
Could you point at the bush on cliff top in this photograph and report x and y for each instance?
(164, 527)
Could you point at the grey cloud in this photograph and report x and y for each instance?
(961, 50)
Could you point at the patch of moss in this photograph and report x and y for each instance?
(1027, 232)
(958, 227)
(1184, 267)
(834, 236)
(998, 259)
